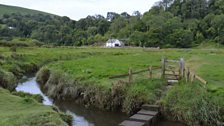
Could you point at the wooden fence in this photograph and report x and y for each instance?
(183, 72)
(130, 73)
(191, 77)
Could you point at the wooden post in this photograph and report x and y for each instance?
(181, 68)
(188, 74)
(163, 68)
(192, 78)
(130, 75)
(150, 72)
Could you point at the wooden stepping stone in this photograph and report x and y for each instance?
(150, 107)
(170, 82)
(148, 112)
(141, 118)
(131, 123)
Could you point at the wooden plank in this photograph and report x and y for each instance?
(141, 71)
(173, 61)
(200, 79)
(163, 64)
(141, 118)
(130, 75)
(148, 112)
(150, 72)
(172, 74)
(150, 107)
(188, 74)
(156, 67)
(182, 68)
(172, 67)
(192, 78)
(171, 70)
(172, 81)
(131, 123)
(177, 77)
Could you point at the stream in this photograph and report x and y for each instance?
(81, 115)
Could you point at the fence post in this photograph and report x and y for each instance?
(150, 72)
(181, 68)
(130, 75)
(163, 68)
(193, 78)
(188, 74)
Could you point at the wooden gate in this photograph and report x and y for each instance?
(173, 70)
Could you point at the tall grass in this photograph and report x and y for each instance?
(193, 105)
(7, 80)
(120, 96)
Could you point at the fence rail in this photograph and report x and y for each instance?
(191, 77)
(131, 73)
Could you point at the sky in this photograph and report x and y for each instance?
(76, 9)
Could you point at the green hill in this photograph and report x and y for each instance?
(5, 9)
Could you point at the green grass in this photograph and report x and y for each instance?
(82, 73)
(5, 9)
(97, 64)
(193, 105)
(17, 111)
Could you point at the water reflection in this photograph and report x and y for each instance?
(32, 87)
(94, 117)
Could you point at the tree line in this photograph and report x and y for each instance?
(168, 24)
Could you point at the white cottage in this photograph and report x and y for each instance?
(111, 43)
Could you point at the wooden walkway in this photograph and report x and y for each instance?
(147, 116)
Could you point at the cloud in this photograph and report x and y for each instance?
(77, 9)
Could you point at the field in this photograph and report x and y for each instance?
(4, 9)
(26, 111)
(83, 74)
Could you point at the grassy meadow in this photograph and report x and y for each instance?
(17, 111)
(83, 74)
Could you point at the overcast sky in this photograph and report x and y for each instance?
(76, 9)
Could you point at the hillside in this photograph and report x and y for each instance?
(182, 24)
(5, 9)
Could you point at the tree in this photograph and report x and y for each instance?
(180, 38)
(137, 38)
(218, 25)
(125, 15)
(136, 14)
(112, 15)
(118, 24)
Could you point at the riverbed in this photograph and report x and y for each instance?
(81, 115)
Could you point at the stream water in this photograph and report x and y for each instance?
(81, 116)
